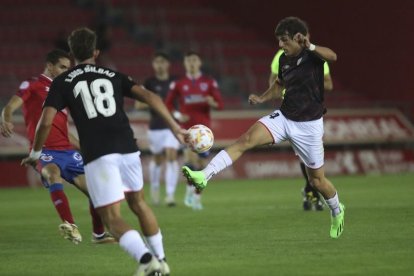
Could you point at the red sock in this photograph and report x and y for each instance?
(61, 202)
(98, 227)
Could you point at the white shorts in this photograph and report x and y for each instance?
(160, 139)
(112, 175)
(305, 137)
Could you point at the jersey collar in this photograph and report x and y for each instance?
(194, 78)
(43, 76)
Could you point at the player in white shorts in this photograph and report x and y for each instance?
(94, 96)
(162, 142)
(299, 119)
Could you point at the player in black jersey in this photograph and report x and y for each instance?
(299, 119)
(162, 143)
(94, 96)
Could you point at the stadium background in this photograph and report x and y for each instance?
(371, 109)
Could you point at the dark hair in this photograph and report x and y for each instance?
(164, 55)
(191, 53)
(82, 43)
(56, 54)
(291, 26)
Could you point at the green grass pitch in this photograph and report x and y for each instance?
(249, 227)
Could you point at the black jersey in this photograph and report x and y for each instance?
(302, 77)
(94, 96)
(161, 88)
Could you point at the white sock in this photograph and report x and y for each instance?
(221, 161)
(133, 244)
(189, 190)
(171, 177)
(155, 242)
(154, 175)
(333, 204)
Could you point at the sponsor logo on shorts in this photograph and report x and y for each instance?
(46, 158)
(77, 156)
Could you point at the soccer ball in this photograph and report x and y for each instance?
(201, 138)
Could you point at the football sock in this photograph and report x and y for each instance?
(171, 177)
(61, 202)
(97, 225)
(133, 244)
(333, 204)
(155, 243)
(154, 174)
(221, 161)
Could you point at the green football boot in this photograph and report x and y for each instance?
(195, 178)
(337, 223)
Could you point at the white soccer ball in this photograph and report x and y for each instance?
(201, 138)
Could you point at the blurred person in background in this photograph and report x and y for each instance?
(162, 142)
(196, 95)
(60, 161)
(311, 197)
(299, 119)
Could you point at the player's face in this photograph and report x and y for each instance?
(290, 46)
(192, 64)
(61, 66)
(160, 65)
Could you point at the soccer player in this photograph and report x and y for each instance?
(94, 96)
(311, 196)
(59, 160)
(299, 119)
(196, 94)
(162, 142)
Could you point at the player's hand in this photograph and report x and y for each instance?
(254, 99)
(210, 101)
(29, 161)
(6, 129)
(182, 135)
(184, 118)
(302, 40)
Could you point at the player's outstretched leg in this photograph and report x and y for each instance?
(149, 226)
(328, 191)
(257, 135)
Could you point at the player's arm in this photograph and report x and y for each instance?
(170, 102)
(215, 100)
(140, 105)
(74, 141)
(42, 132)
(155, 102)
(273, 92)
(327, 81)
(272, 78)
(6, 125)
(323, 52)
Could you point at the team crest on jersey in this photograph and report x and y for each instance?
(204, 86)
(46, 157)
(158, 88)
(186, 88)
(77, 156)
(24, 85)
(47, 88)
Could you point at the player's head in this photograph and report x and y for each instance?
(82, 44)
(161, 63)
(286, 32)
(57, 62)
(192, 63)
